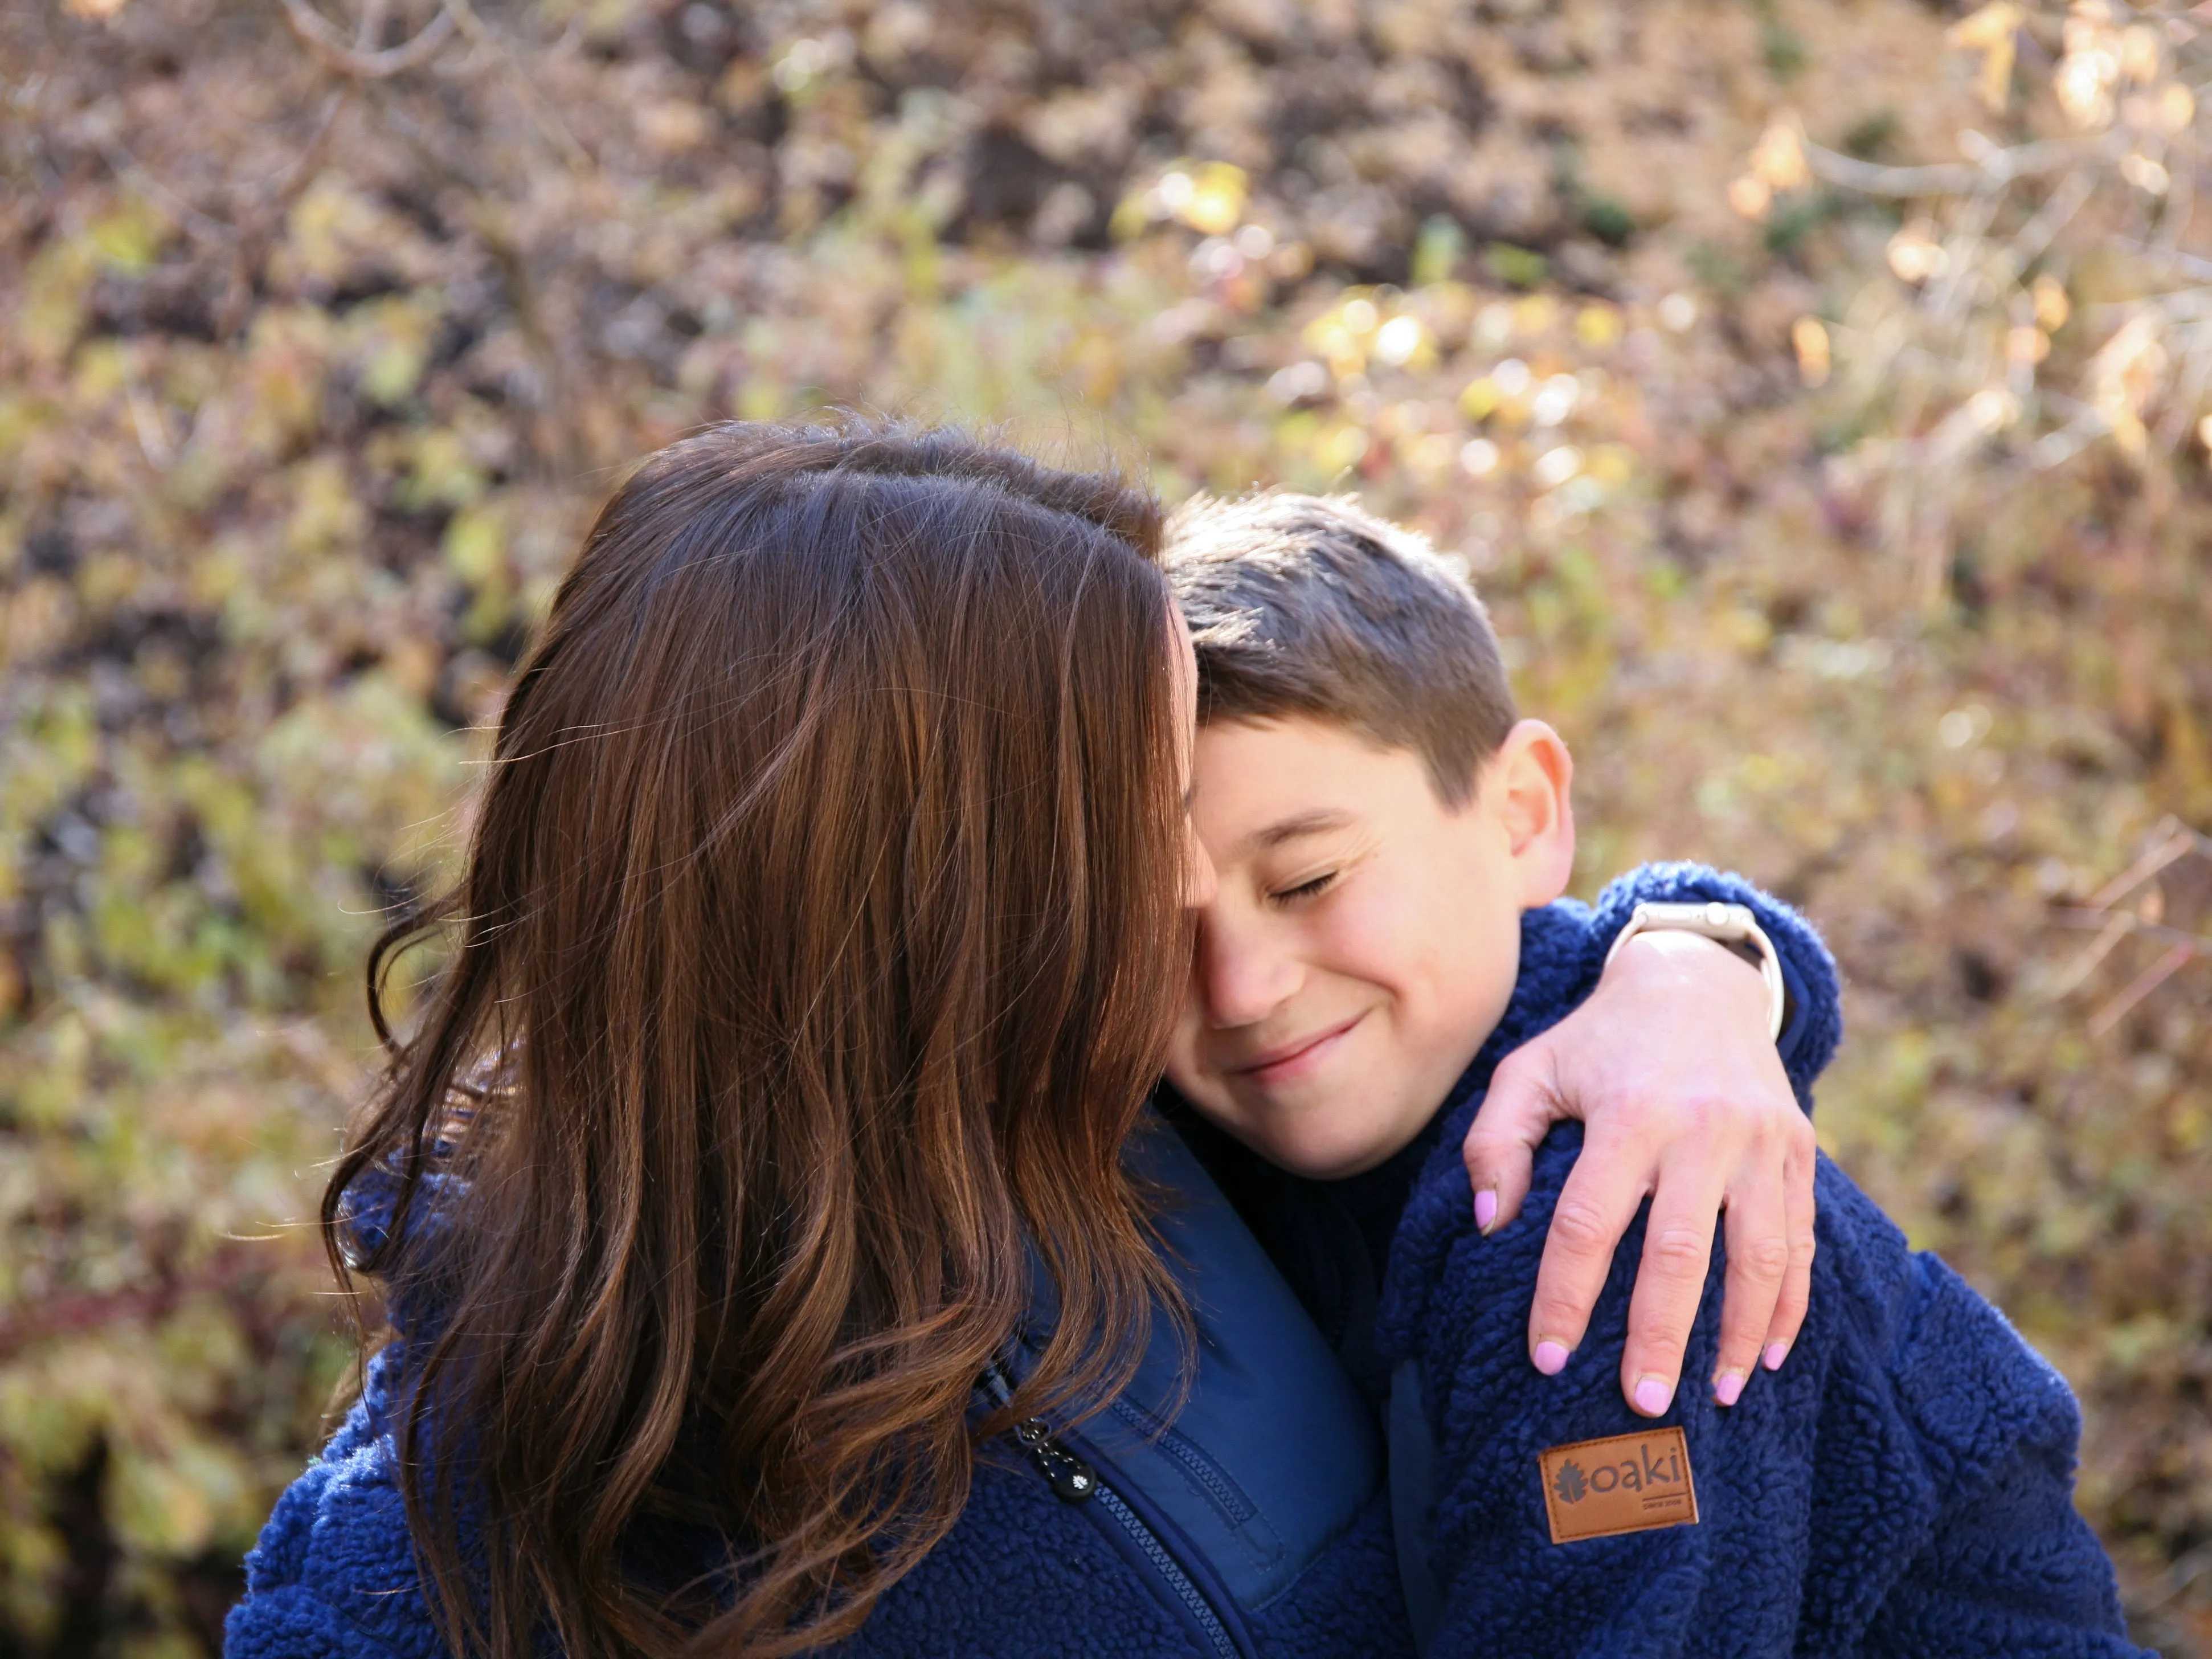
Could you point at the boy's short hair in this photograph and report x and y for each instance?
(1308, 606)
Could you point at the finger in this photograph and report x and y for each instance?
(1500, 1148)
(1670, 1282)
(1796, 1294)
(1756, 1228)
(1596, 1204)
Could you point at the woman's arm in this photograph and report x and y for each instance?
(1688, 1101)
(334, 1575)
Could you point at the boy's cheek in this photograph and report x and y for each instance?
(1183, 1055)
(1184, 1081)
(1206, 1092)
(1210, 1101)
(1209, 1094)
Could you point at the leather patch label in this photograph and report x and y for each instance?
(1626, 1483)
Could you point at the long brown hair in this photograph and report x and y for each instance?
(820, 925)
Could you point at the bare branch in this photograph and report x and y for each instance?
(2176, 841)
(2170, 842)
(2145, 982)
(2027, 245)
(261, 225)
(371, 25)
(1996, 165)
(327, 44)
(2112, 930)
(146, 417)
(2187, 264)
(2135, 924)
(180, 212)
(548, 118)
(311, 158)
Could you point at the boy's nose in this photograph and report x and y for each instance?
(1240, 980)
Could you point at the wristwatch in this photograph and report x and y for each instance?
(1728, 924)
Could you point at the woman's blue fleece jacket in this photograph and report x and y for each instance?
(1901, 1486)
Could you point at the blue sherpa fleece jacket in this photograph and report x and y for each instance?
(1023, 1575)
(1902, 1486)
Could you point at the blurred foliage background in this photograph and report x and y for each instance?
(1812, 386)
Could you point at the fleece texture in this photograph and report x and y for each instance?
(1022, 1573)
(1902, 1486)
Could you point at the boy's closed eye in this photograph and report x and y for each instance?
(1310, 887)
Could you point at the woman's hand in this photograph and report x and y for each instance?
(1669, 1065)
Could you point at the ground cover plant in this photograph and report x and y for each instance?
(1814, 390)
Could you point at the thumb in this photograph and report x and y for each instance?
(1521, 1106)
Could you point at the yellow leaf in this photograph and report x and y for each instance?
(1987, 26)
(327, 516)
(1751, 197)
(2140, 54)
(1777, 161)
(52, 309)
(1810, 340)
(1597, 326)
(475, 544)
(2051, 306)
(1343, 447)
(1534, 314)
(129, 238)
(1208, 196)
(2026, 345)
(1993, 31)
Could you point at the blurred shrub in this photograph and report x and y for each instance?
(1813, 390)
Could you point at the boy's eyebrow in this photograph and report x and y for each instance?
(1319, 821)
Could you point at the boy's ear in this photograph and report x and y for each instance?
(1532, 776)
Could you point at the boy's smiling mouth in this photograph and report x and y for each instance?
(1295, 1059)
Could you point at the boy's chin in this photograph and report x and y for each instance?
(1312, 1139)
(1320, 1152)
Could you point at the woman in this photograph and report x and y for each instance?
(815, 955)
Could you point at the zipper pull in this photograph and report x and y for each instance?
(1072, 1478)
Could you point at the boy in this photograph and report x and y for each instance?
(1390, 844)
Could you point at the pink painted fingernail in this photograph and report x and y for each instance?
(1486, 1209)
(1775, 1354)
(1727, 1387)
(1652, 1394)
(1551, 1359)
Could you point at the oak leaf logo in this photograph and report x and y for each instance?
(1569, 1482)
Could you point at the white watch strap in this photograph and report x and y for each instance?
(1728, 924)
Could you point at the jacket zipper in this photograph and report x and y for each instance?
(1075, 1481)
(1227, 1496)
(1178, 1581)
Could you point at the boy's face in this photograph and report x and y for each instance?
(1362, 939)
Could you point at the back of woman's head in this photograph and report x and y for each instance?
(820, 927)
